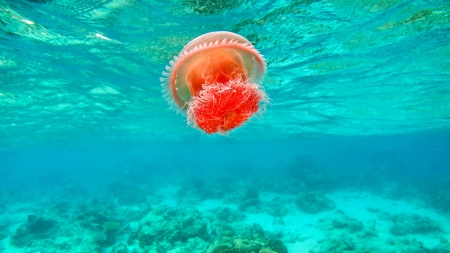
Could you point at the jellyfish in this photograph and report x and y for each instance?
(215, 80)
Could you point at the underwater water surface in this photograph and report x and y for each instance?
(352, 153)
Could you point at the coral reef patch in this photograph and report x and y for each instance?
(314, 202)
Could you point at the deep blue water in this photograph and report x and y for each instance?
(421, 156)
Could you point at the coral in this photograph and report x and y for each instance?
(249, 239)
(247, 245)
(407, 223)
(314, 203)
(171, 225)
(92, 217)
(253, 232)
(39, 225)
(111, 230)
(341, 244)
(437, 194)
(339, 222)
(221, 230)
(276, 245)
(250, 198)
(342, 221)
(226, 249)
(35, 228)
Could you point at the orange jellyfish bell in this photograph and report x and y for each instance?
(215, 79)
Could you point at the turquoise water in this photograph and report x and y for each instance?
(334, 67)
(352, 153)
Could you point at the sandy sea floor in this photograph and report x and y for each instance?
(358, 221)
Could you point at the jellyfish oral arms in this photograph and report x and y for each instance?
(215, 79)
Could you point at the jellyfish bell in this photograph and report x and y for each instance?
(215, 79)
(222, 55)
